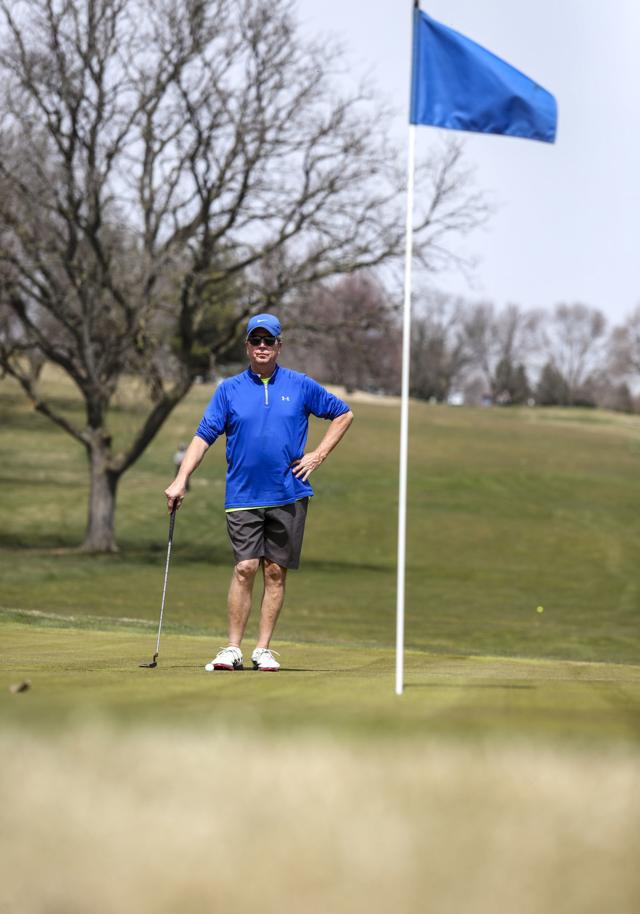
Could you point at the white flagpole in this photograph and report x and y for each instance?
(404, 417)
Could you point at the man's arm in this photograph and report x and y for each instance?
(304, 467)
(191, 461)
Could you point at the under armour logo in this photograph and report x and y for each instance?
(286, 398)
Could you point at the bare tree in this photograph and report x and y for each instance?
(500, 343)
(345, 332)
(606, 393)
(439, 353)
(575, 344)
(165, 167)
(624, 346)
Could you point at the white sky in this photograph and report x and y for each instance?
(567, 222)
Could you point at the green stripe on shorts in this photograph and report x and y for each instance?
(251, 508)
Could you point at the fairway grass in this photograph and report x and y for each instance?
(508, 510)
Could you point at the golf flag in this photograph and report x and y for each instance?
(455, 83)
(458, 84)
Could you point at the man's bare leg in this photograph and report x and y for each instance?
(272, 599)
(239, 599)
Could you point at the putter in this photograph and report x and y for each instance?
(172, 520)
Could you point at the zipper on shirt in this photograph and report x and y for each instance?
(265, 384)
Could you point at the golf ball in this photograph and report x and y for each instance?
(540, 609)
(209, 667)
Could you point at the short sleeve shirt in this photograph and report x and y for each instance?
(266, 427)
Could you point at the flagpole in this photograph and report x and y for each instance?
(441, 107)
(404, 417)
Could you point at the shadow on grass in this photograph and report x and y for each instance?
(43, 482)
(340, 565)
(248, 669)
(139, 554)
(24, 416)
(464, 685)
(148, 554)
(35, 545)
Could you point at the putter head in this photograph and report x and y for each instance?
(150, 666)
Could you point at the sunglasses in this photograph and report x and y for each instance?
(267, 340)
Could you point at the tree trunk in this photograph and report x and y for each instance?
(100, 534)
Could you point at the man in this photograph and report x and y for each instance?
(264, 413)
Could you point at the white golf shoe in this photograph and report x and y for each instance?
(227, 658)
(264, 660)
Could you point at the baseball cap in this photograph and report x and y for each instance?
(267, 321)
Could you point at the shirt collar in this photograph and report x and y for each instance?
(258, 380)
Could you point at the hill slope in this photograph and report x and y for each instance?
(509, 510)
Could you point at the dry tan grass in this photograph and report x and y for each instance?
(100, 820)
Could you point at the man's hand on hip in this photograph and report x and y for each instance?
(304, 467)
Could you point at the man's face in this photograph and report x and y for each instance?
(263, 350)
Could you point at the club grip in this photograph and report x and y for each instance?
(172, 519)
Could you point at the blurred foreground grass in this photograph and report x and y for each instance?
(159, 822)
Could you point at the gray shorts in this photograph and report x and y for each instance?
(273, 533)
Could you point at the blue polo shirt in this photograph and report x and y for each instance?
(266, 425)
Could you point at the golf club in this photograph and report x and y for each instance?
(172, 520)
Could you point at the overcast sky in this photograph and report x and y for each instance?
(567, 223)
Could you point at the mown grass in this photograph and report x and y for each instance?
(508, 511)
(79, 674)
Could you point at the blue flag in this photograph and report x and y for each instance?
(458, 84)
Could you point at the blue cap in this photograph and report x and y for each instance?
(267, 321)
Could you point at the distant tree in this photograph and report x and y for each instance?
(617, 397)
(165, 168)
(575, 340)
(10, 332)
(438, 351)
(474, 390)
(552, 388)
(624, 346)
(521, 390)
(587, 393)
(622, 399)
(346, 334)
(511, 384)
(14, 340)
(499, 343)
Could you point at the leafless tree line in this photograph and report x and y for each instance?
(474, 351)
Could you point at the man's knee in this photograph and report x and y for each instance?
(274, 574)
(245, 570)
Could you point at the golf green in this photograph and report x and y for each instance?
(80, 673)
